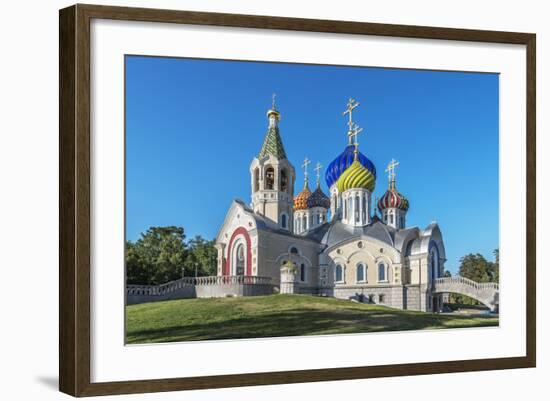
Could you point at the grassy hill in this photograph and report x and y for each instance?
(275, 316)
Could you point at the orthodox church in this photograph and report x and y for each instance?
(343, 244)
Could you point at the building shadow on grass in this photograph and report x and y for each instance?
(304, 322)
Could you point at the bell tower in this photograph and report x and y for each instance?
(273, 176)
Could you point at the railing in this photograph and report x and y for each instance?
(171, 286)
(486, 293)
(161, 289)
(465, 281)
(222, 280)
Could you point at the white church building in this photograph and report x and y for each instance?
(344, 244)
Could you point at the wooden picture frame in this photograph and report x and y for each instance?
(74, 203)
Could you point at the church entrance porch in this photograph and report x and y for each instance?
(239, 263)
(239, 260)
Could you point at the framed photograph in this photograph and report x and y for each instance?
(260, 200)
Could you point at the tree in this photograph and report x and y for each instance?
(203, 255)
(476, 268)
(495, 268)
(157, 257)
(161, 255)
(135, 271)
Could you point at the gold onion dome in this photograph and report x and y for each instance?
(356, 176)
(290, 267)
(300, 201)
(273, 111)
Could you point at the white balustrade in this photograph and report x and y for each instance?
(486, 293)
(166, 288)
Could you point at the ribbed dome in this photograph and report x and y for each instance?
(356, 176)
(343, 161)
(318, 199)
(392, 198)
(300, 201)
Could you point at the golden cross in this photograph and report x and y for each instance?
(273, 101)
(306, 163)
(352, 104)
(391, 169)
(355, 130)
(318, 170)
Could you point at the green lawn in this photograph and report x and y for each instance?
(274, 316)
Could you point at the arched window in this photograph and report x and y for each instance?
(339, 273)
(349, 208)
(364, 208)
(382, 272)
(283, 220)
(284, 181)
(256, 179)
(391, 218)
(304, 222)
(357, 208)
(360, 273)
(345, 210)
(302, 272)
(269, 178)
(239, 260)
(294, 250)
(433, 265)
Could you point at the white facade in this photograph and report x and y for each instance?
(355, 254)
(394, 217)
(356, 207)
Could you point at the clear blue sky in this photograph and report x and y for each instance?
(193, 127)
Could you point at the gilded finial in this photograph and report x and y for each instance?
(391, 173)
(306, 163)
(355, 130)
(318, 171)
(356, 151)
(272, 114)
(352, 104)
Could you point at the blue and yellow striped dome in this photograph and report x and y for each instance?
(337, 167)
(356, 176)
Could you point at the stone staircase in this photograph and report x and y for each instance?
(486, 293)
(200, 287)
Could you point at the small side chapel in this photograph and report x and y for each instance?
(344, 244)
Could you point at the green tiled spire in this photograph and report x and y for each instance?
(273, 145)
